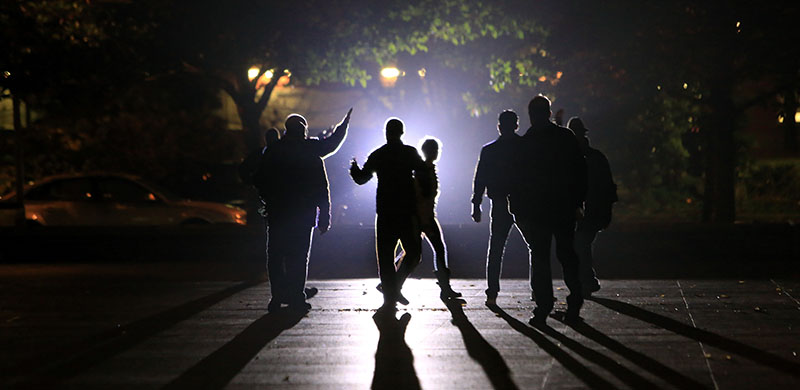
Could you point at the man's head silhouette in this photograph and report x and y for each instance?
(539, 110)
(430, 149)
(271, 136)
(576, 125)
(296, 126)
(394, 129)
(507, 122)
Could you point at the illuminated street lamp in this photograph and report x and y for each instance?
(389, 76)
(252, 73)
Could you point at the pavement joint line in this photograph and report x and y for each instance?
(783, 290)
(702, 347)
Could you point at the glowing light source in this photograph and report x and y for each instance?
(658, 87)
(780, 118)
(389, 76)
(421, 73)
(559, 74)
(738, 24)
(797, 117)
(685, 85)
(252, 73)
(390, 72)
(543, 78)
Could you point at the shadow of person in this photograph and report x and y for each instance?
(394, 362)
(703, 336)
(583, 373)
(218, 368)
(480, 350)
(646, 362)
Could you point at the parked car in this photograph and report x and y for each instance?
(116, 199)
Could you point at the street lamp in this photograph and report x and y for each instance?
(389, 76)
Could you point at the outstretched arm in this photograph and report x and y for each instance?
(361, 175)
(330, 144)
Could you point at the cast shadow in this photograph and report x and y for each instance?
(103, 346)
(218, 368)
(480, 350)
(703, 336)
(394, 362)
(646, 362)
(591, 379)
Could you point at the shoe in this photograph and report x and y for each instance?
(448, 293)
(401, 299)
(443, 280)
(491, 300)
(537, 320)
(299, 306)
(273, 306)
(587, 291)
(311, 291)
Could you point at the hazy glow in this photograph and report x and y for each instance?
(252, 73)
(543, 78)
(780, 118)
(390, 72)
(559, 74)
(797, 117)
(422, 72)
(685, 85)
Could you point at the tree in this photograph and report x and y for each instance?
(318, 42)
(724, 57)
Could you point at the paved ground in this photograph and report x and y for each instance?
(69, 330)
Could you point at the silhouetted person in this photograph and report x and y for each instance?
(251, 163)
(294, 187)
(546, 199)
(601, 193)
(396, 204)
(247, 172)
(431, 229)
(494, 176)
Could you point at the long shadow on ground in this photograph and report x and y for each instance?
(394, 362)
(83, 355)
(646, 362)
(479, 349)
(217, 369)
(703, 336)
(582, 372)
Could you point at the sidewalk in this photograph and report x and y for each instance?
(726, 334)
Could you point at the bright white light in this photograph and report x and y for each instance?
(252, 73)
(390, 72)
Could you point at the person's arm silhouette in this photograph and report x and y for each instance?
(478, 187)
(330, 144)
(324, 201)
(361, 175)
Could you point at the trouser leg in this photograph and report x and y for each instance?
(584, 242)
(385, 242)
(433, 233)
(538, 239)
(411, 240)
(500, 226)
(297, 263)
(565, 252)
(276, 265)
